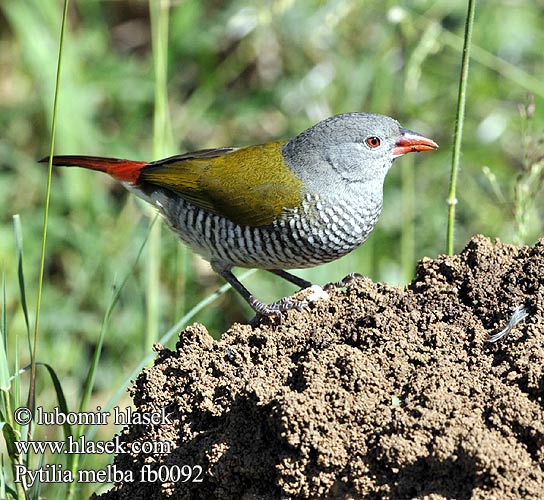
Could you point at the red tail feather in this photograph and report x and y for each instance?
(122, 170)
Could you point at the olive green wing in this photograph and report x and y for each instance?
(251, 186)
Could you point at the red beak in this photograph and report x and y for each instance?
(410, 141)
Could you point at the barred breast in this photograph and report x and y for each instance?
(317, 232)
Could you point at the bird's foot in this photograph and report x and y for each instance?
(278, 307)
(313, 294)
(343, 282)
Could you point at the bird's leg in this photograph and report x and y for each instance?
(302, 283)
(259, 307)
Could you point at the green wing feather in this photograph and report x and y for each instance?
(251, 186)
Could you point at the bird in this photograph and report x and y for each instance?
(277, 206)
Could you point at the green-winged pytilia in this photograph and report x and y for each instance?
(281, 205)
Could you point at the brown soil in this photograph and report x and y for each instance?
(380, 392)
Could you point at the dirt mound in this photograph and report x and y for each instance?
(380, 392)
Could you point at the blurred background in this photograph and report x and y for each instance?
(241, 73)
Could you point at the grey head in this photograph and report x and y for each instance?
(350, 151)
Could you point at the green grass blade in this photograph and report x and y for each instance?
(516, 74)
(22, 293)
(9, 438)
(5, 381)
(2, 479)
(31, 392)
(36, 491)
(3, 319)
(89, 382)
(4, 488)
(162, 143)
(63, 406)
(460, 118)
(20, 273)
(162, 129)
(6, 414)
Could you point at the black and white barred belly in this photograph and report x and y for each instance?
(314, 234)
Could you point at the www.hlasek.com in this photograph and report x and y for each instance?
(55, 473)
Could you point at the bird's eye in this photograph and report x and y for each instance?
(373, 142)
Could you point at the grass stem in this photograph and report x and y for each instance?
(31, 392)
(162, 141)
(460, 118)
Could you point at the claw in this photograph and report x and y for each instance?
(343, 282)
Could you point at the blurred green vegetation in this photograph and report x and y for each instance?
(242, 73)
